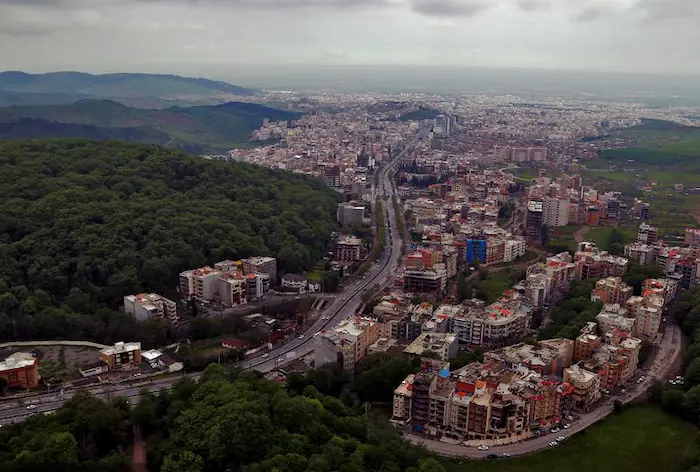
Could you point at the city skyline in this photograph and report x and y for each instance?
(140, 35)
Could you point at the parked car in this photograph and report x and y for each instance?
(560, 438)
(553, 443)
(492, 456)
(554, 430)
(266, 355)
(567, 426)
(505, 454)
(31, 407)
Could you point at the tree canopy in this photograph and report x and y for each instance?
(84, 223)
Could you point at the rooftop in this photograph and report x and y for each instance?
(18, 360)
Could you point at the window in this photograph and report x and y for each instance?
(13, 376)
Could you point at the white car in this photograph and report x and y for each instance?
(567, 426)
(483, 448)
(301, 336)
(553, 443)
(31, 407)
(560, 438)
(266, 355)
(554, 430)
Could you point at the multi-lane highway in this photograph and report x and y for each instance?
(345, 305)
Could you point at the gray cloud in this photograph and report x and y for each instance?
(449, 8)
(589, 14)
(656, 10)
(534, 5)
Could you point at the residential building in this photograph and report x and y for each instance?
(534, 222)
(647, 234)
(513, 249)
(692, 237)
(648, 313)
(294, 282)
(348, 249)
(347, 343)
(425, 280)
(20, 370)
(611, 290)
(476, 251)
(586, 386)
(145, 306)
(233, 289)
(443, 344)
(261, 265)
(122, 356)
(641, 253)
(349, 214)
(555, 211)
(597, 264)
(494, 326)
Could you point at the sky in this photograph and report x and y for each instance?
(172, 35)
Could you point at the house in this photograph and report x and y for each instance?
(96, 368)
(20, 370)
(122, 356)
(294, 282)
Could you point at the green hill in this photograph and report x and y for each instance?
(84, 223)
(197, 129)
(141, 90)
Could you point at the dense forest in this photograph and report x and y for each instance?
(84, 223)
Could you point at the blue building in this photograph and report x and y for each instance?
(476, 249)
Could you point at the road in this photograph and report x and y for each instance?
(669, 349)
(344, 305)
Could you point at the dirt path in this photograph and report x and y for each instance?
(138, 461)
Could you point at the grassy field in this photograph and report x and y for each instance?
(640, 439)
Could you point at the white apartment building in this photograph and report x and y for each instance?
(145, 306)
(555, 211)
(513, 249)
(347, 343)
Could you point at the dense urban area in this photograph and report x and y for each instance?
(389, 282)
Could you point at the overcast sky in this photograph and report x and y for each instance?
(142, 35)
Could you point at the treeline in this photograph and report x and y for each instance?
(84, 223)
(575, 310)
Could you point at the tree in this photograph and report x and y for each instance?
(184, 461)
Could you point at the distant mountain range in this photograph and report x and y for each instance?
(136, 90)
(197, 129)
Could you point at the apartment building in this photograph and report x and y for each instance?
(534, 222)
(548, 357)
(349, 214)
(199, 283)
(425, 279)
(145, 306)
(494, 326)
(586, 386)
(647, 312)
(232, 288)
(641, 253)
(347, 343)
(647, 234)
(261, 265)
(445, 345)
(555, 211)
(348, 249)
(122, 356)
(614, 317)
(513, 249)
(20, 370)
(597, 264)
(692, 237)
(611, 290)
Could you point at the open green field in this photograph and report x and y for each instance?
(640, 439)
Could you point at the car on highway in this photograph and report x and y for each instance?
(266, 355)
(31, 407)
(483, 448)
(345, 298)
(301, 336)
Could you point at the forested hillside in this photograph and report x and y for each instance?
(84, 223)
(198, 130)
